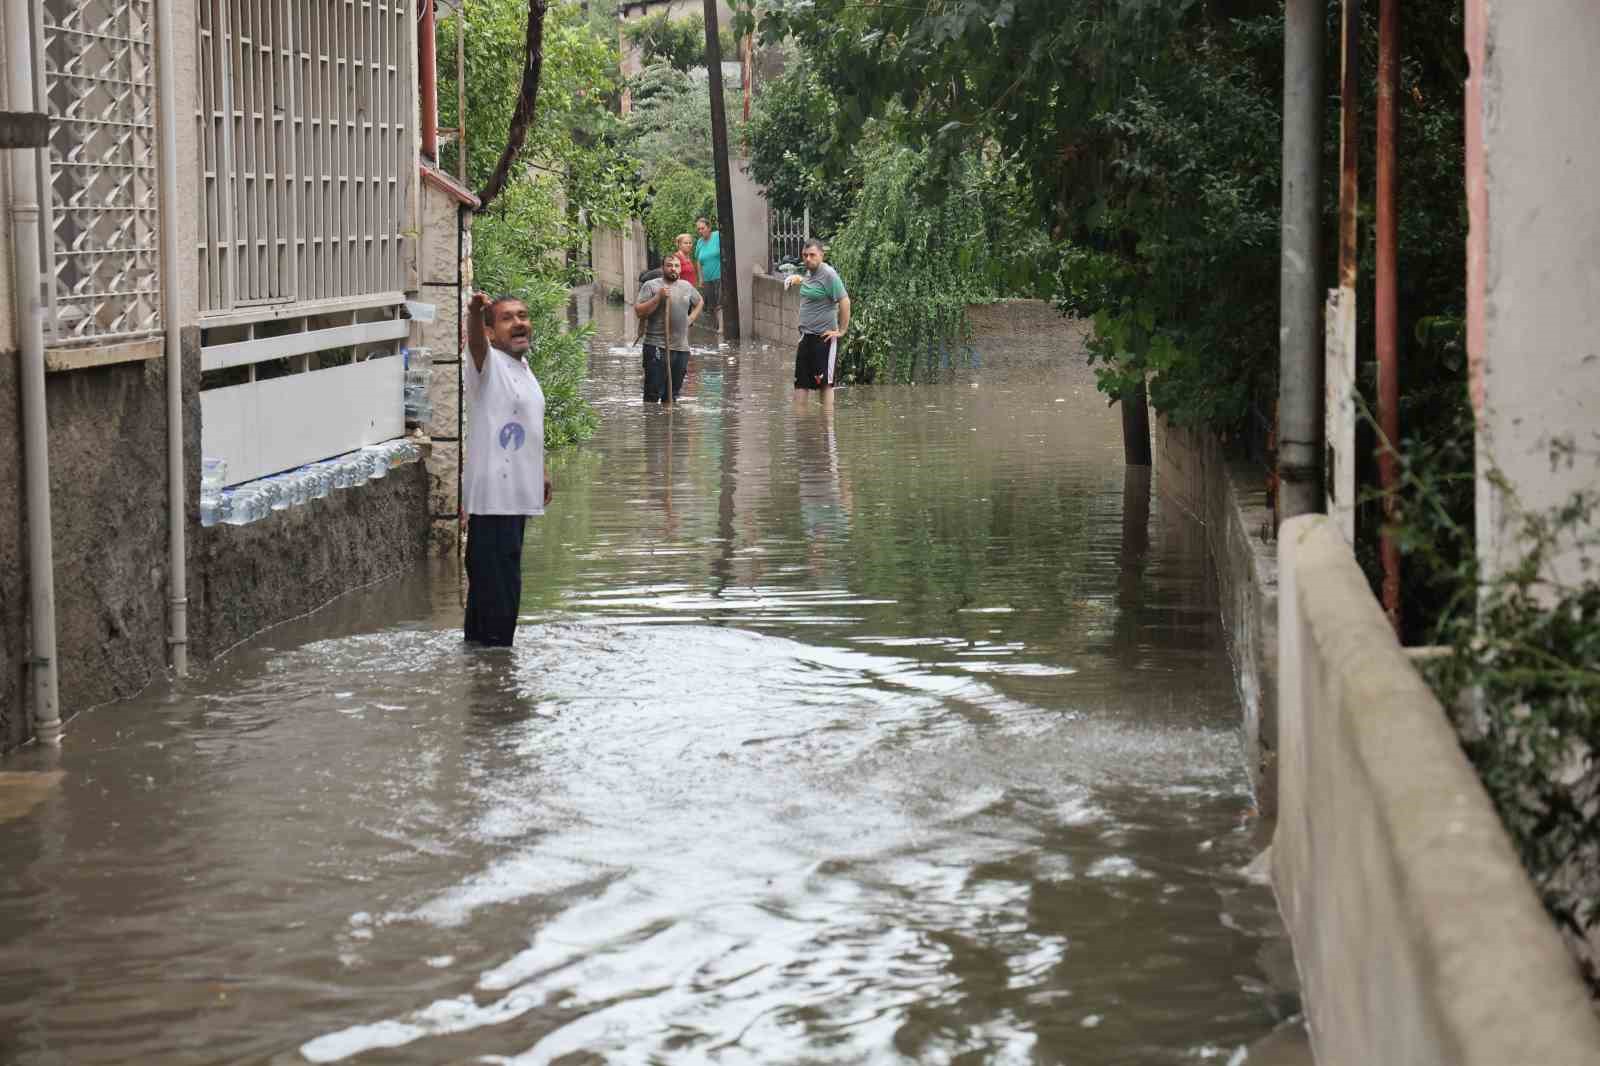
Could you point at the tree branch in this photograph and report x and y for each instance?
(527, 100)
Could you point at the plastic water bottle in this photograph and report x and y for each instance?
(377, 462)
(233, 506)
(213, 474)
(210, 505)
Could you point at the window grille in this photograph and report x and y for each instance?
(102, 258)
(787, 234)
(306, 157)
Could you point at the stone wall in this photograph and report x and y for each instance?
(445, 257)
(1419, 939)
(1227, 495)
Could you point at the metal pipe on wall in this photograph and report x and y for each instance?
(428, 81)
(1340, 355)
(1387, 344)
(167, 201)
(1300, 297)
(30, 312)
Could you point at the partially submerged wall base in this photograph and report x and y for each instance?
(1227, 496)
(1418, 936)
(108, 480)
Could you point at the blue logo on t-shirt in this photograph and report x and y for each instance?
(513, 436)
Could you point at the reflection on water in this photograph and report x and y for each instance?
(896, 729)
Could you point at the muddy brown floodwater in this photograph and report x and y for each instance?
(898, 732)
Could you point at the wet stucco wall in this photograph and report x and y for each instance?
(108, 485)
(244, 579)
(1228, 497)
(1534, 260)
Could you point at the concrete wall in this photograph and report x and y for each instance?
(107, 441)
(606, 255)
(1226, 495)
(775, 313)
(750, 239)
(1534, 255)
(243, 579)
(1418, 937)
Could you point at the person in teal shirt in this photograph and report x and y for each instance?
(708, 253)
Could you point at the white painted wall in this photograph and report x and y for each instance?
(1534, 290)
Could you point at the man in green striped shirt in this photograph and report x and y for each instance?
(824, 318)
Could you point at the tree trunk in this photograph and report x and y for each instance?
(1135, 426)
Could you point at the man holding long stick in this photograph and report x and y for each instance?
(667, 306)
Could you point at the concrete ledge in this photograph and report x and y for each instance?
(1228, 498)
(1418, 936)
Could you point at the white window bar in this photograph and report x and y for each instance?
(787, 235)
(305, 154)
(101, 261)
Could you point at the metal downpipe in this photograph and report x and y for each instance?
(1300, 370)
(30, 311)
(166, 192)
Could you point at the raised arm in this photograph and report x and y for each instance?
(477, 341)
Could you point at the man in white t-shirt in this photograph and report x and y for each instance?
(504, 479)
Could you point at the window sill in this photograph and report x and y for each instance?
(62, 359)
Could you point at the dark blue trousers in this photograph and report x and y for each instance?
(494, 577)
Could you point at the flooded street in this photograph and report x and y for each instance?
(898, 732)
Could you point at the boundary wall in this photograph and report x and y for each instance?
(1225, 494)
(1418, 936)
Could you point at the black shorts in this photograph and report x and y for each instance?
(711, 291)
(815, 361)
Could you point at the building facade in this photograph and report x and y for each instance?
(293, 292)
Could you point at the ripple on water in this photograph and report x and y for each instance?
(847, 737)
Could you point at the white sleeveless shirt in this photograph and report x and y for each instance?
(504, 469)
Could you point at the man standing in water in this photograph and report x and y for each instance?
(668, 306)
(708, 253)
(824, 317)
(504, 479)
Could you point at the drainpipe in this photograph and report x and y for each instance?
(1387, 303)
(1300, 307)
(428, 81)
(30, 312)
(167, 193)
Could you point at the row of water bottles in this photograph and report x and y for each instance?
(419, 373)
(254, 500)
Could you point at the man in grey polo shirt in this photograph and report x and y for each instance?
(667, 306)
(824, 317)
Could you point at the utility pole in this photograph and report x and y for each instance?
(1300, 301)
(719, 153)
